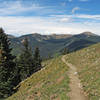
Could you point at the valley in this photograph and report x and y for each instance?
(50, 45)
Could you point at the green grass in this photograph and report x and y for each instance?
(87, 62)
(51, 83)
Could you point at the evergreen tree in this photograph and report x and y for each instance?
(7, 66)
(25, 61)
(37, 60)
(65, 51)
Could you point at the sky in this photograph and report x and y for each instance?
(20, 17)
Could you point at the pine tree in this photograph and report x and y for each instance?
(26, 63)
(7, 66)
(65, 51)
(37, 60)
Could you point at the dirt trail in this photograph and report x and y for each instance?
(75, 86)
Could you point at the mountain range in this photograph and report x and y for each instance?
(54, 44)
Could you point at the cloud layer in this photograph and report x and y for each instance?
(18, 18)
(46, 25)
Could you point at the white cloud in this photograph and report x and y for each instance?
(46, 25)
(80, 16)
(16, 7)
(75, 9)
(66, 19)
(93, 17)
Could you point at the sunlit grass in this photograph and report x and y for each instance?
(87, 62)
(48, 84)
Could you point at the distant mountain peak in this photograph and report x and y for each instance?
(59, 36)
(36, 34)
(89, 33)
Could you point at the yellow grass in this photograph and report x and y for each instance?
(51, 83)
(87, 62)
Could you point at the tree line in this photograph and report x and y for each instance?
(16, 69)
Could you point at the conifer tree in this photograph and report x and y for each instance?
(26, 64)
(65, 51)
(7, 66)
(37, 60)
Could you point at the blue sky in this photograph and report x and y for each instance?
(19, 17)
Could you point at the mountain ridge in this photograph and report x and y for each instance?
(52, 44)
(55, 34)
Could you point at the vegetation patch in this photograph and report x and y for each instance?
(50, 83)
(87, 62)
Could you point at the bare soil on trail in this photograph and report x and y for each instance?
(76, 92)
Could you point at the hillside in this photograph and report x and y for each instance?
(51, 44)
(58, 79)
(51, 83)
(48, 44)
(87, 62)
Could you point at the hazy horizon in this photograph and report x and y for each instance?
(49, 34)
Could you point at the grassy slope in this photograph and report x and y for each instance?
(88, 63)
(48, 84)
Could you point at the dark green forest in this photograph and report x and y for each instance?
(16, 69)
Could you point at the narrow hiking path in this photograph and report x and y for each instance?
(76, 92)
